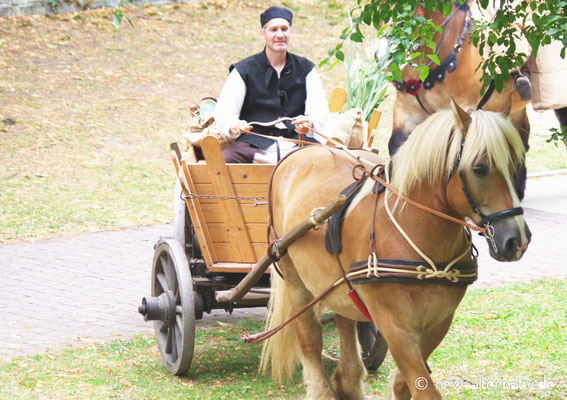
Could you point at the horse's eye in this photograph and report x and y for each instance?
(481, 170)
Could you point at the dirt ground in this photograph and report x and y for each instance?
(88, 109)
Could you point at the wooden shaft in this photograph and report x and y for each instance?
(285, 241)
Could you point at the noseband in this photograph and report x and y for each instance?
(486, 220)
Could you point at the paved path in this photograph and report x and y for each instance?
(68, 291)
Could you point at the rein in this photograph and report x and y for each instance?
(364, 165)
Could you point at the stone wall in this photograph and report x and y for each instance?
(9, 8)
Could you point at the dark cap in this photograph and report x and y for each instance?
(275, 12)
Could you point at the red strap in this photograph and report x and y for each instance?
(359, 304)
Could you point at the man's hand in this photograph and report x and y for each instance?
(302, 124)
(238, 128)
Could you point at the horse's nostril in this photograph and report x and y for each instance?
(512, 245)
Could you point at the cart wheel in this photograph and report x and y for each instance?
(373, 345)
(176, 332)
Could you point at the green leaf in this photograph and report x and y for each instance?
(340, 55)
(423, 72)
(367, 17)
(396, 71)
(356, 37)
(434, 58)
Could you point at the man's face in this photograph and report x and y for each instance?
(277, 34)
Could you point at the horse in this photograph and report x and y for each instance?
(455, 163)
(458, 77)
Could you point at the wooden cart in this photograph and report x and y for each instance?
(220, 233)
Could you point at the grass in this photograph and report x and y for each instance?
(88, 110)
(505, 342)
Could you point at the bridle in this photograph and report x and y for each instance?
(486, 220)
(449, 63)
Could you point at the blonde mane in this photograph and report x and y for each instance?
(429, 153)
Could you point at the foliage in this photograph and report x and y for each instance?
(557, 135)
(540, 22)
(411, 35)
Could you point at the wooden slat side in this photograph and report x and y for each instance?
(219, 232)
(223, 185)
(224, 252)
(195, 211)
(241, 189)
(252, 214)
(239, 173)
(250, 173)
(199, 173)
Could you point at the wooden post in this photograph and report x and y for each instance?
(220, 177)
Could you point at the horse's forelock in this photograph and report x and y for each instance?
(429, 153)
(492, 137)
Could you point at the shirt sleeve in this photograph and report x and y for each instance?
(316, 105)
(229, 103)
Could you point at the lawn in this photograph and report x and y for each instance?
(505, 343)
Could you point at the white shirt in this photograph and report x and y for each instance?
(231, 99)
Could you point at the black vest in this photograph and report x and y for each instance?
(268, 98)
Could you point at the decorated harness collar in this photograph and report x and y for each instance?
(449, 64)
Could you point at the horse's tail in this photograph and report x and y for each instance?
(282, 350)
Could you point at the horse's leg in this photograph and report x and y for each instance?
(350, 372)
(397, 387)
(310, 334)
(412, 377)
(303, 336)
(520, 121)
(561, 114)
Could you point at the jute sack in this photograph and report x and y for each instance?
(548, 78)
(201, 125)
(348, 127)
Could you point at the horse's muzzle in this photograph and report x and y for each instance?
(510, 239)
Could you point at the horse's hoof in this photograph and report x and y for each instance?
(523, 87)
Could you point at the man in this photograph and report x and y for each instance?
(266, 86)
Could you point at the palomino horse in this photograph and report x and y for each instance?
(457, 77)
(455, 163)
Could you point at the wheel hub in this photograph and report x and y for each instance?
(160, 308)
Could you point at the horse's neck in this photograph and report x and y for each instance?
(438, 238)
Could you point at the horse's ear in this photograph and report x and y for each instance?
(462, 119)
